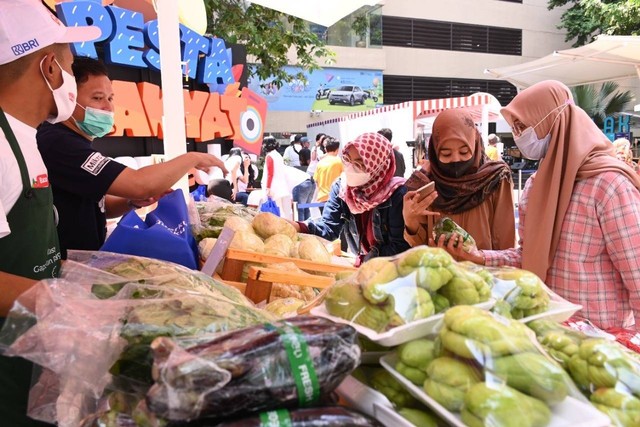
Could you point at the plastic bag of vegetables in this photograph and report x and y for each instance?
(92, 329)
(447, 227)
(285, 364)
(387, 292)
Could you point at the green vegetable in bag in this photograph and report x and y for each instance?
(447, 226)
(384, 382)
(414, 357)
(345, 300)
(560, 346)
(440, 303)
(419, 418)
(448, 381)
(501, 406)
(623, 409)
(528, 297)
(602, 363)
(534, 375)
(429, 264)
(473, 333)
(466, 288)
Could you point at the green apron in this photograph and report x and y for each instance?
(30, 250)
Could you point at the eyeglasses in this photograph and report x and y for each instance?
(517, 128)
(358, 163)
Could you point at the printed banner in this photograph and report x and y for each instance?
(329, 89)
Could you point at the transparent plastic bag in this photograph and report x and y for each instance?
(483, 369)
(387, 292)
(213, 213)
(284, 364)
(94, 334)
(606, 371)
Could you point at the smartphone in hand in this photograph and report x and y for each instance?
(425, 190)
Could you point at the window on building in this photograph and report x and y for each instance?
(399, 89)
(426, 34)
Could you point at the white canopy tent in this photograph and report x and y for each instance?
(608, 58)
(323, 12)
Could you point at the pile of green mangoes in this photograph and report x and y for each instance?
(387, 292)
(604, 370)
(487, 368)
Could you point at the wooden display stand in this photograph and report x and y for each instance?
(261, 279)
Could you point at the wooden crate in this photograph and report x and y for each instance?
(260, 280)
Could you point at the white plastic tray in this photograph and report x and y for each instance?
(371, 402)
(569, 413)
(559, 308)
(398, 335)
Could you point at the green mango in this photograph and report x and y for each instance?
(534, 375)
(501, 406)
(448, 380)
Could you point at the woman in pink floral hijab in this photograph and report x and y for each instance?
(365, 202)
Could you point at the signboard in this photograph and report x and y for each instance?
(623, 130)
(218, 108)
(362, 90)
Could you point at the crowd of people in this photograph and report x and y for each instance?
(579, 214)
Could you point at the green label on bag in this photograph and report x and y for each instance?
(304, 374)
(279, 418)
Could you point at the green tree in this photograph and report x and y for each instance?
(585, 19)
(600, 102)
(268, 35)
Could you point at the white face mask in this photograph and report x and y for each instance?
(528, 143)
(530, 146)
(64, 96)
(354, 177)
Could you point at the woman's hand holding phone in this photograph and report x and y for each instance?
(416, 206)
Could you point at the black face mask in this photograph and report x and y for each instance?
(455, 169)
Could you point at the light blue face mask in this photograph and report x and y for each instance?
(97, 123)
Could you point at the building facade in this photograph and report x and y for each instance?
(435, 49)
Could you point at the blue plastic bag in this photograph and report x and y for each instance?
(270, 206)
(200, 193)
(164, 234)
